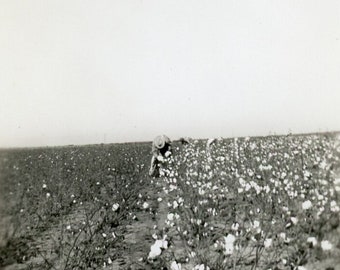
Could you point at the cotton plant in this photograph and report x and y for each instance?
(157, 248)
(271, 178)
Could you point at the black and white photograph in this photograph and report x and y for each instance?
(169, 135)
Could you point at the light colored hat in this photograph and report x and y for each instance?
(159, 142)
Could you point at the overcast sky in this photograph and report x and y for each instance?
(78, 72)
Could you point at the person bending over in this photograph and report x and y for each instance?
(161, 148)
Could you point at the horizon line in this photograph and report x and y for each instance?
(141, 142)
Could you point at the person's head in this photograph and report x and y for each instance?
(184, 140)
(161, 141)
(161, 144)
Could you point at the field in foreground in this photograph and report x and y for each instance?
(246, 203)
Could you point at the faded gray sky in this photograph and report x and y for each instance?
(77, 72)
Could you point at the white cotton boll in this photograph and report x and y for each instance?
(337, 182)
(256, 224)
(175, 266)
(294, 220)
(242, 182)
(167, 154)
(155, 251)
(44, 186)
(156, 248)
(323, 165)
(164, 244)
(323, 182)
(312, 240)
(115, 207)
(229, 244)
(268, 242)
(160, 158)
(326, 245)
(334, 206)
(235, 226)
(145, 205)
(229, 249)
(175, 204)
(170, 216)
(172, 187)
(283, 235)
(201, 267)
(307, 205)
(266, 189)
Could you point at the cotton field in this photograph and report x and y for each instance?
(242, 203)
(255, 203)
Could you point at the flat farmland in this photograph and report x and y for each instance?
(242, 203)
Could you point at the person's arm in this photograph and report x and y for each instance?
(154, 151)
(152, 166)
